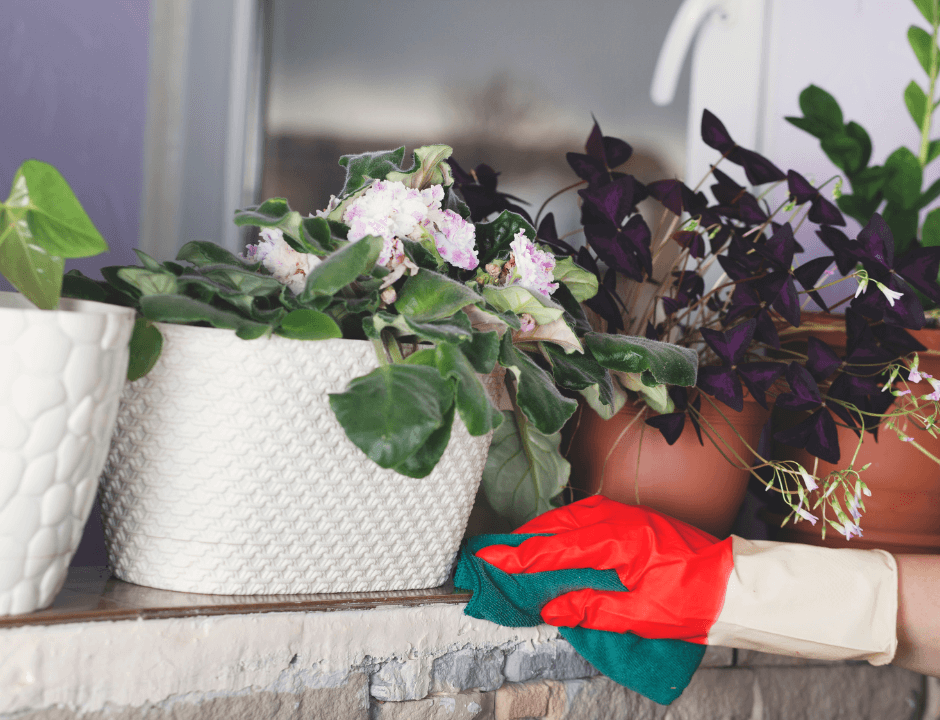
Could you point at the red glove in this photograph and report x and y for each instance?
(684, 584)
(676, 574)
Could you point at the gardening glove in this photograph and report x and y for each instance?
(684, 584)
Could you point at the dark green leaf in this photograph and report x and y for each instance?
(145, 348)
(362, 169)
(524, 470)
(930, 234)
(916, 100)
(148, 282)
(844, 151)
(669, 364)
(27, 266)
(242, 280)
(201, 253)
(920, 43)
(929, 195)
(253, 331)
(422, 461)
(57, 222)
(274, 213)
(577, 371)
(860, 136)
(903, 223)
(574, 313)
(420, 255)
(933, 150)
(493, 238)
(858, 207)
(76, 285)
(342, 267)
(904, 178)
(148, 262)
(476, 410)
(185, 310)
(429, 168)
(317, 236)
(482, 351)
(407, 403)
(867, 184)
(820, 106)
(809, 125)
(113, 279)
(536, 394)
(306, 324)
(432, 296)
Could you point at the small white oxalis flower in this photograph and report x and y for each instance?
(288, 266)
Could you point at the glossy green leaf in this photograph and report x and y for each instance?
(928, 8)
(669, 364)
(524, 470)
(844, 151)
(423, 460)
(28, 267)
(904, 178)
(342, 267)
(307, 324)
(860, 136)
(493, 238)
(76, 285)
(186, 310)
(455, 329)
(903, 223)
(536, 394)
(916, 100)
(930, 233)
(432, 296)
(920, 42)
(578, 371)
(407, 403)
(149, 282)
(145, 348)
(820, 106)
(56, 219)
(201, 253)
(580, 282)
(429, 168)
(517, 300)
(473, 402)
(362, 169)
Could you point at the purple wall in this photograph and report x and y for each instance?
(73, 92)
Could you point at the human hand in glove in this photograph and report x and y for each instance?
(685, 584)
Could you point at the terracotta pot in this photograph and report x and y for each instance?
(903, 512)
(686, 480)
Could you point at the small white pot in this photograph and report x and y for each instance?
(229, 474)
(61, 374)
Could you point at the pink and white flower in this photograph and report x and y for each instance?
(533, 267)
(288, 266)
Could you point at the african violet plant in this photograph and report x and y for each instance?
(42, 224)
(395, 260)
(735, 324)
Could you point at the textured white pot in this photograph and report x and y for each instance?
(230, 474)
(61, 374)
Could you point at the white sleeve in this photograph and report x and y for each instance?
(800, 600)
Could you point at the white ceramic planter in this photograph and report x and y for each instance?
(61, 374)
(230, 474)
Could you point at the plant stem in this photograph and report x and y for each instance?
(929, 108)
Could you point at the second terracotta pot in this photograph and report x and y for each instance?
(686, 480)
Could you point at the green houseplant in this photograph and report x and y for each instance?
(438, 302)
(63, 367)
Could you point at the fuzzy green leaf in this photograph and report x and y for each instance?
(362, 169)
(429, 168)
(407, 404)
(422, 461)
(524, 470)
(473, 402)
(275, 213)
(536, 394)
(576, 371)
(307, 324)
(149, 282)
(432, 296)
(201, 253)
(482, 351)
(580, 282)
(493, 238)
(342, 267)
(186, 310)
(517, 300)
(145, 348)
(669, 364)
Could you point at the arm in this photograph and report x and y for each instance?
(919, 613)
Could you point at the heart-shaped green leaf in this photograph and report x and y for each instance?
(30, 268)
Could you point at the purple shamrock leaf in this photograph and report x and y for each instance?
(549, 235)
(615, 200)
(816, 433)
(821, 212)
(669, 424)
(723, 383)
(759, 377)
(804, 393)
(920, 268)
(847, 253)
(808, 275)
(732, 344)
(821, 360)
